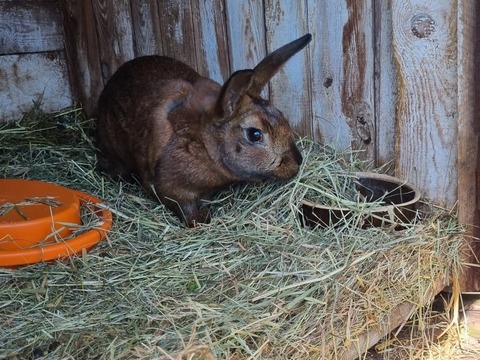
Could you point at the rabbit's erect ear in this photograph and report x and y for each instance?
(234, 91)
(268, 67)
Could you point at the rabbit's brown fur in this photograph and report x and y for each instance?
(186, 136)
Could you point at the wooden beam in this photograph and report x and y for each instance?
(385, 86)
(468, 137)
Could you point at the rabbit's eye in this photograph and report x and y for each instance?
(254, 135)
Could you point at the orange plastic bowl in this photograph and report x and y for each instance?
(37, 221)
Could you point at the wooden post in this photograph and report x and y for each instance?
(468, 137)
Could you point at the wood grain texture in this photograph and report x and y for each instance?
(211, 39)
(246, 29)
(115, 34)
(82, 52)
(328, 121)
(468, 136)
(468, 131)
(178, 33)
(385, 86)
(29, 78)
(342, 74)
(146, 27)
(427, 108)
(289, 89)
(30, 26)
(357, 93)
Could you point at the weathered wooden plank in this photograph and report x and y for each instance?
(343, 74)
(82, 52)
(357, 94)
(468, 130)
(385, 86)
(290, 87)
(425, 51)
(211, 39)
(325, 21)
(115, 34)
(246, 29)
(398, 317)
(178, 33)
(207, 37)
(146, 27)
(30, 26)
(468, 135)
(29, 78)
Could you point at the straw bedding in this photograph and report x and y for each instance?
(254, 283)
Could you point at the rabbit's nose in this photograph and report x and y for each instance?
(290, 163)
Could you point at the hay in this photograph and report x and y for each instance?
(253, 284)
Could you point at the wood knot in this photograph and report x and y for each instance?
(422, 25)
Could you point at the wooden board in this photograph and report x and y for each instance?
(425, 53)
(113, 21)
(385, 86)
(468, 148)
(290, 88)
(146, 27)
(32, 61)
(178, 34)
(82, 49)
(397, 318)
(29, 78)
(341, 60)
(246, 29)
(328, 122)
(211, 39)
(30, 26)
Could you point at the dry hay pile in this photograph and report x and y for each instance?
(252, 284)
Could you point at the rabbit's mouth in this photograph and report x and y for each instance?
(286, 170)
(289, 164)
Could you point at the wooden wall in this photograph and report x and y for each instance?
(379, 76)
(32, 58)
(327, 91)
(395, 79)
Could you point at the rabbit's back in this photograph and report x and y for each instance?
(137, 112)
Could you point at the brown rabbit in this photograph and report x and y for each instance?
(186, 136)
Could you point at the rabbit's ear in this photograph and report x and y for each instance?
(268, 67)
(233, 92)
